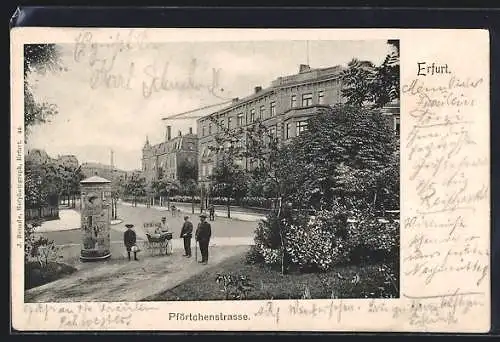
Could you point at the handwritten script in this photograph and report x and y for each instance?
(87, 315)
(419, 312)
(114, 65)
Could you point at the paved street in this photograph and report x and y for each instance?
(121, 280)
(221, 227)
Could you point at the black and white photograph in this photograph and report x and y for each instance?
(176, 179)
(196, 171)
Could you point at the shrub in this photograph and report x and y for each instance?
(373, 240)
(325, 240)
(320, 243)
(253, 256)
(234, 286)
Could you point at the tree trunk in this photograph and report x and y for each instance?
(192, 204)
(281, 238)
(228, 207)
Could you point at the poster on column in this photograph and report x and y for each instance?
(348, 170)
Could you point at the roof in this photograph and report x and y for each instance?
(95, 180)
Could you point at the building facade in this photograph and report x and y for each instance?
(102, 170)
(163, 160)
(283, 108)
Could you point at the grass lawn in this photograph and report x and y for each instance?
(350, 281)
(35, 275)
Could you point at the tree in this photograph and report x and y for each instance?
(117, 190)
(187, 171)
(347, 162)
(357, 81)
(345, 154)
(135, 187)
(191, 187)
(229, 180)
(39, 58)
(188, 179)
(363, 82)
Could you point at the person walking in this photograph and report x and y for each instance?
(203, 235)
(187, 234)
(130, 240)
(212, 212)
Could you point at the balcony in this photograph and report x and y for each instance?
(304, 111)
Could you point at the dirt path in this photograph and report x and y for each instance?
(118, 280)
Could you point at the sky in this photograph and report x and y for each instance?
(111, 100)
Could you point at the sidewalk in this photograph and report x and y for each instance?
(69, 219)
(122, 280)
(186, 208)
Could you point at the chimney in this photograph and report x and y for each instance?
(180, 133)
(190, 130)
(235, 100)
(257, 89)
(304, 68)
(169, 132)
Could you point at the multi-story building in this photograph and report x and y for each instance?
(284, 108)
(163, 160)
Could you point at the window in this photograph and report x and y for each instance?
(221, 124)
(252, 115)
(203, 131)
(293, 101)
(273, 108)
(239, 119)
(262, 112)
(301, 127)
(229, 123)
(321, 97)
(288, 133)
(396, 125)
(209, 129)
(307, 100)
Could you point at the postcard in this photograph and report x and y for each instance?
(250, 179)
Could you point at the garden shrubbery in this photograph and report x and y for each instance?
(324, 241)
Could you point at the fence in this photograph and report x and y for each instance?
(46, 213)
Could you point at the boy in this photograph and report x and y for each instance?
(130, 239)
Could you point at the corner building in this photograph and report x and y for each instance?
(162, 160)
(284, 108)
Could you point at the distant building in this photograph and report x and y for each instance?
(102, 170)
(162, 160)
(284, 108)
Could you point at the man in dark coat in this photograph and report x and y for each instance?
(130, 239)
(203, 234)
(187, 234)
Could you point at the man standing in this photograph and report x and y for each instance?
(212, 212)
(187, 234)
(203, 234)
(130, 239)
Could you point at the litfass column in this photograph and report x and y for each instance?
(95, 218)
